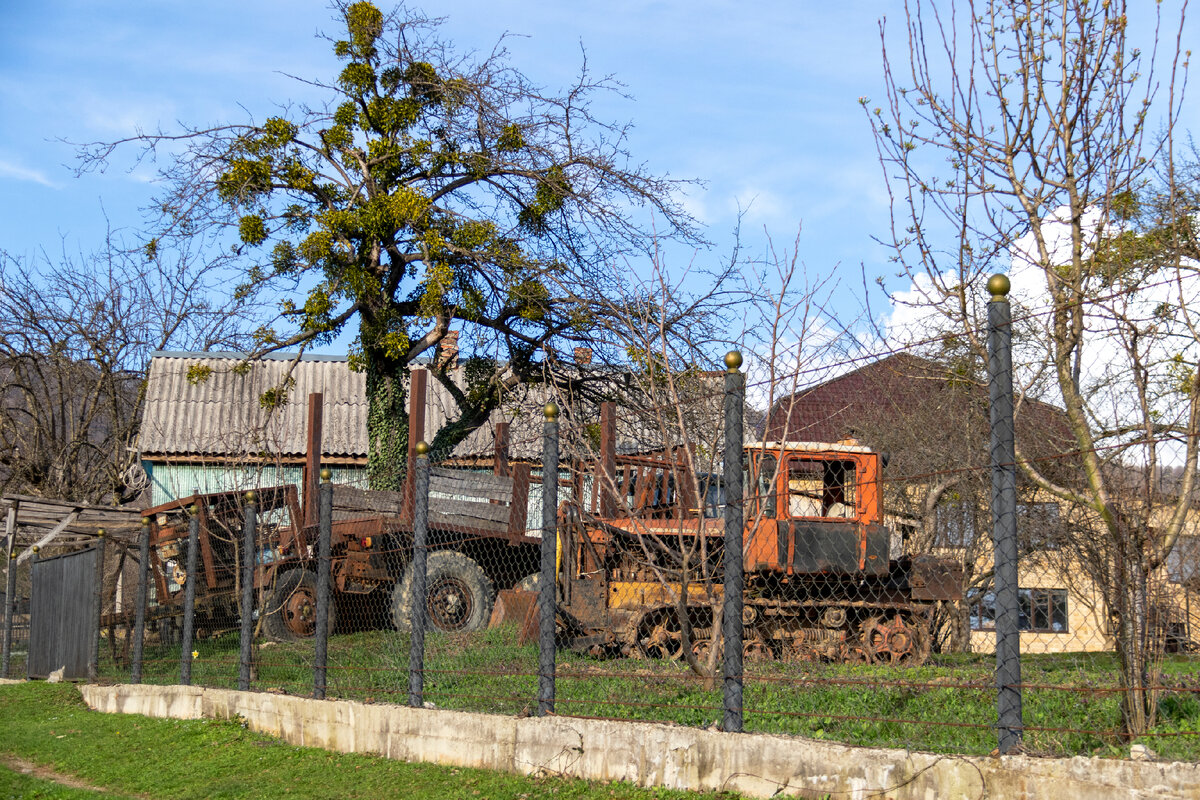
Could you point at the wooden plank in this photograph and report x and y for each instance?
(439, 520)
(312, 456)
(51, 506)
(349, 498)
(500, 465)
(519, 509)
(644, 479)
(466, 508)
(350, 502)
(49, 537)
(472, 484)
(442, 487)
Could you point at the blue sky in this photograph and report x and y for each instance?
(760, 100)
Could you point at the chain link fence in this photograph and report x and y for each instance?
(587, 565)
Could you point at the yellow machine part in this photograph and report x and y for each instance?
(639, 595)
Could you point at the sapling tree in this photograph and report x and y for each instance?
(1020, 137)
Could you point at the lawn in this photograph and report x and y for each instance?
(945, 706)
(131, 756)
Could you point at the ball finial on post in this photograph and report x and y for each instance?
(733, 361)
(551, 411)
(101, 533)
(422, 449)
(145, 520)
(251, 497)
(326, 474)
(999, 285)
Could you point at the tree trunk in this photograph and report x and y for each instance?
(387, 421)
(1136, 650)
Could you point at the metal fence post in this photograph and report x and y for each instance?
(249, 546)
(324, 543)
(731, 616)
(139, 619)
(33, 563)
(93, 665)
(189, 599)
(10, 575)
(1004, 516)
(418, 611)
(547, 589)
(10, 608)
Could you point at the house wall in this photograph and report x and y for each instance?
(1085, 615)
(170, 481)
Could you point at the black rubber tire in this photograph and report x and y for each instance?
(292, 607)
(459, 594)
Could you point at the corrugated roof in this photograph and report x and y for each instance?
(222, 416)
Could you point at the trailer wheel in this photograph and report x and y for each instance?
(459, 594)
(291, 611)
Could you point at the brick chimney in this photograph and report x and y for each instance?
(583, 356)
(447, 351)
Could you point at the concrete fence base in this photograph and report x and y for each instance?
(756, 765)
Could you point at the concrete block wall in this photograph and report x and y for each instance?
(756, 765)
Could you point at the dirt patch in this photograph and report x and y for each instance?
(17, 764)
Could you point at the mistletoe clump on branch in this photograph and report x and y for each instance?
(429, 191)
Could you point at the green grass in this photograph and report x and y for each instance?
(15, 785)
(945, 706)
(181, 759)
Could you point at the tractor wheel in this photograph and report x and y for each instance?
(897, 642)
(660, 637)
(459, 595)
(291, 611)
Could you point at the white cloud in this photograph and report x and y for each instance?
(17, 172)
(695, 203)
(760, 206)
(920, 313)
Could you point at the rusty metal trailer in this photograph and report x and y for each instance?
(477, 538)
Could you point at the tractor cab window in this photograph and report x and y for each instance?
(821, 488)
(765, 468)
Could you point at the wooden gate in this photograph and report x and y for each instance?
(63, 614)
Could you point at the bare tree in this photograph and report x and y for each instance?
(76, 335)
(662, 519)
(1017, 137)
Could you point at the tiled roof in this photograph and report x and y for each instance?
(901, 387)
